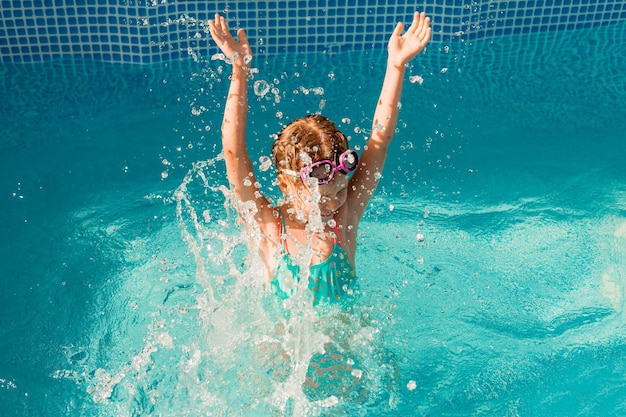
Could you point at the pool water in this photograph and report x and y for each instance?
(491, 261)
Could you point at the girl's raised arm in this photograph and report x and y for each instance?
(401, 49)
(238, 165)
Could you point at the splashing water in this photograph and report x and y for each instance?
(231, 347)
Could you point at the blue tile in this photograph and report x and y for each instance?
(289, 25)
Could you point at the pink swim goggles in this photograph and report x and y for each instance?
(324, 170)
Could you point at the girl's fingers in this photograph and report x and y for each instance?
(217, 27)
(427, 29)
(243, 38)
(417, 21)
(414, 24)
(398, 30)
(421, 26)
(223, 24)
(420, 22)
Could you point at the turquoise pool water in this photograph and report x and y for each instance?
(492, 260)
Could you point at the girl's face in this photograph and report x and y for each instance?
(332, 196)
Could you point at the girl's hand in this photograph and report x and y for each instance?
(402, 48)
(236, 52)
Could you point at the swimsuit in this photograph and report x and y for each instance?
(329, 281)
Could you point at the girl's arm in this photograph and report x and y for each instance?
(401, 49)
(238, 165)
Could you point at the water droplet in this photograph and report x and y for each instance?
(416, 79)
(261, 87)
(266, 163)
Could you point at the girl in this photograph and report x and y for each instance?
(316, 223)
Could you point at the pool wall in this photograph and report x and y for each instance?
(148, 31)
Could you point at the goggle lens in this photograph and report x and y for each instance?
(324, 170)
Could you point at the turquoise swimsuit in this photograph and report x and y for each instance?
(329, 281)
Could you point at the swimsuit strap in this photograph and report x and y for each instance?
(281, 231)
(336, 230)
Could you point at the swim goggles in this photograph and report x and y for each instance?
(324, 170)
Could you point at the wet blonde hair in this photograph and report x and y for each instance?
(315, 135)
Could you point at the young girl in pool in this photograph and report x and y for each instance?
(320, 213)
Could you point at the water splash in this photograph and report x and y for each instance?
(224, 344)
